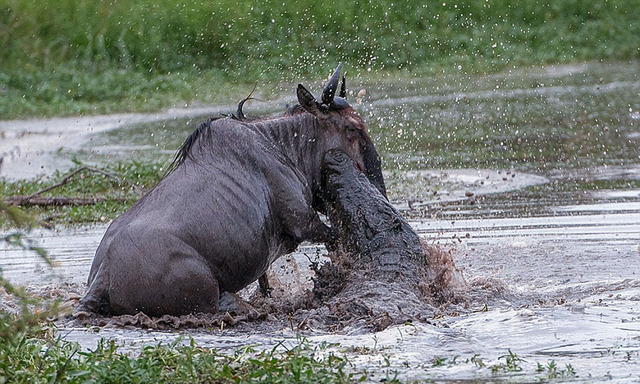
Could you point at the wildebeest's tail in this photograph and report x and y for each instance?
(96, 300)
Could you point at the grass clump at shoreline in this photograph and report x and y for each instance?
(116, 187)
(79, 56)
(38, 360)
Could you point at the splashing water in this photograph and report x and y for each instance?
(530, 179)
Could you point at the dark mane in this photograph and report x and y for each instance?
(185, 149)
(289, 111)
(293, 110)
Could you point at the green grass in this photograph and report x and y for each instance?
(120, 184)
(81, 56)
(28, 360)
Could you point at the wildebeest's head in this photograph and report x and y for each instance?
(343, 128)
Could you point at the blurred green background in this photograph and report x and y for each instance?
(63, 57)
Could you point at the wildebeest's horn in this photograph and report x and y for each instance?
(343, 87)
(330, 89)
(239, 112)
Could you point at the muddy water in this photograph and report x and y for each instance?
(563, 288)
(532, 177)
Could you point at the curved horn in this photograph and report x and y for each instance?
(331, 87)
(239, 112)
(343, 87)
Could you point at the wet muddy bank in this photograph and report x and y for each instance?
(31, 148)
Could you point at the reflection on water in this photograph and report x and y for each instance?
(532, 177)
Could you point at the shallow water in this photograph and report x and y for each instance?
(562, 288)
(531, 176)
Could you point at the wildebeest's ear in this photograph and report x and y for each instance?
(307, 101)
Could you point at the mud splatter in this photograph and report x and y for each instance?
(381, 272)
(346, 297)
(340, 298)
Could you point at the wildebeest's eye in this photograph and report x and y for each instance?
(350, 128)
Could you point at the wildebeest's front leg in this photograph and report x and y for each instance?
(295, 212)
(265, 287)
(294, 207)
(302, 222)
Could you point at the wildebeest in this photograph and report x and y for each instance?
(241, 194)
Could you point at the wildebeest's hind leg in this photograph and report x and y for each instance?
(96, 300)
(184, 285)
(141, 268)
(191, 288)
